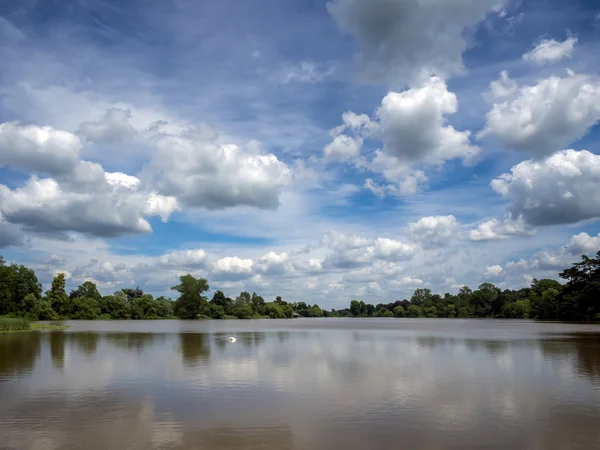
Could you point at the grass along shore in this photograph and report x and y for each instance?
(15, 324)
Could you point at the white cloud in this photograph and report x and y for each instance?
(406, 282)
(413, 129)
(399, 41)
(183, 259)
(583, 244)
(98, 208)
(494, 271)
(433, 231)
(195, 168)
(413, 126)
(274, 264)
(562, 188)
(113, 127)
(352, 250)
(342, 148)
(38, 149)
(502, 88)
(493, 229)
(547, 116)
(549, 51)
(406, 185)
(232, 268)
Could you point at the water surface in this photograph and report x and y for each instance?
(302, 384)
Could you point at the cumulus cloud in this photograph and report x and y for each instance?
(494, 229)
(353, 250)
(547, 116)
(195, 168)
(549, 51)
(413, 126)
(493, 272)
(232, 268)
(274, 264)
(183, 259)
(113, 127)
(583, 244)
(560, 189)
(502, 88)
(342, 148)
(399, 41)
(413, 129)
(433, 231)
(103, 209)
(38, 149)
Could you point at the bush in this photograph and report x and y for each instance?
(14, 324)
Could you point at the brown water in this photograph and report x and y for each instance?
(302, 384)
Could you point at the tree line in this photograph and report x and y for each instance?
(546, 299)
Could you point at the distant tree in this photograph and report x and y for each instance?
(482, 299)
(413, 311)
(258, 304)
(355, 308)
(114, 306)
(430, 313)
(518, 310)
(38, 308)
(16, 282)
(87, 289)
(580, 299)
(191, 301)
(85, 309)
(399, 311)
(57, 296)
(420, 297)
(274, 311)
(221, 300)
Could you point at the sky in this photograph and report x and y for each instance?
(321, 151)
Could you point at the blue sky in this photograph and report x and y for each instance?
(318, 150)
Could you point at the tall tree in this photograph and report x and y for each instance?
(57, 296)
(191, 301)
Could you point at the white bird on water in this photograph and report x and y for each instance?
(232, 339)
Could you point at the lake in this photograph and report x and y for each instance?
(302, 384)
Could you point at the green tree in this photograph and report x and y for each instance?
(144, 307)
(399, 311)
(221, 300)
(581, 296)
(38, 308)
(114, 306)
(86, 290)
(430, 313)
(16, 282)
(191, 302)
(518, 310)
(482, 299)
(355, 308)
(413, 311)
(274, 311)
(85, 309)
(420, 297)
(57, 296)
(164, 307)
(258, 304)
